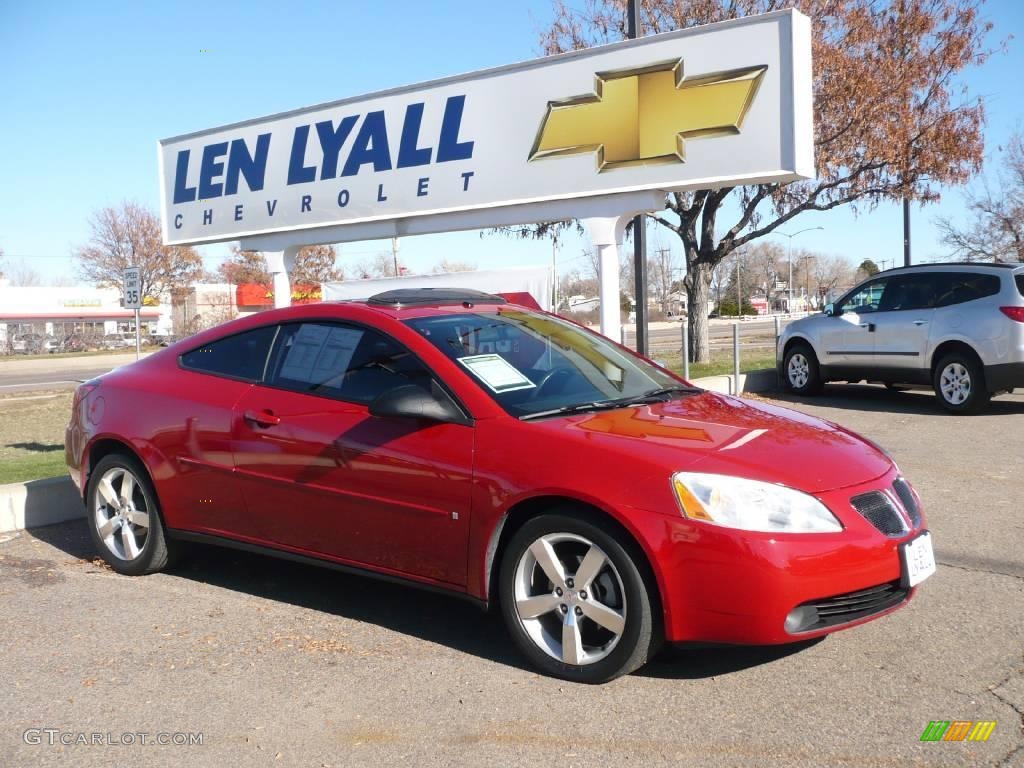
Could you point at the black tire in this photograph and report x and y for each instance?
(959, 384)
(155, 553)
(800, 370)
(641, 635)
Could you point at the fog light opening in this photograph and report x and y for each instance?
(800, 618)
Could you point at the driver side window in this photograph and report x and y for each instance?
(868, 298)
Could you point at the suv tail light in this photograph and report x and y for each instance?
(1014, 313)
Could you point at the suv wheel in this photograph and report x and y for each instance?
(574, 600)
(800, 369)
(960, 384)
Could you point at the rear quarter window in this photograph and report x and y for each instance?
(968, 286)
(242, 356)
(1020, 282)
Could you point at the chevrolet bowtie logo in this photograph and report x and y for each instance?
(645, 115)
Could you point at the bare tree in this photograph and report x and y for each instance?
(995, 226)
(381, 264)
(891, 120)
(448, 265)
(24, 276)
(130, 236)
(1, 263)
(663, 270)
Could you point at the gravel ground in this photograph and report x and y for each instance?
(280, 664)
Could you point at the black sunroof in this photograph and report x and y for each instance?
(418, 296)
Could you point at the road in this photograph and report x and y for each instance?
(45, 372)
(281, 664)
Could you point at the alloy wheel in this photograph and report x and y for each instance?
(955, 383)
(121, 513)
(798, 370)
(569, 598)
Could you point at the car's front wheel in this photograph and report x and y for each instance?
(124, 517)
(960, 384)
(800, 368)
(575, 601)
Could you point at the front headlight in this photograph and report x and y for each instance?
(750, 505)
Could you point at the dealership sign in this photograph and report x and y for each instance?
(717, 105)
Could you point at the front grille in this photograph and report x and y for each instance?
(880, 511)
(906, 496)
(842, 609)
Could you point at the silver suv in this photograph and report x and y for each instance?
(958, 328)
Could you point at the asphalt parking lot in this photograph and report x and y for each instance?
(280, 664)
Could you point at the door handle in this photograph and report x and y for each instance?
(920, 322)
(262, 418)
(869, 326)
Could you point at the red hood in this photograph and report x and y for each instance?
(727, 435)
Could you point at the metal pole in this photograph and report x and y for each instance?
(906, 232)
(686, 349)
(789, 285)
(777, 332)
(138, 341)
(394, 253)
(639, 223)
(736, 358)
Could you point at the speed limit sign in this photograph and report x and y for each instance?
(132, 289)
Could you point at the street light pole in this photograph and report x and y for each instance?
(639, 223)
(789, 285)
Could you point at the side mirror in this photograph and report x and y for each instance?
(830, 310)
(412, 402)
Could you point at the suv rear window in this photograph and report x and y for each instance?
(1020, 282)
(967, 286)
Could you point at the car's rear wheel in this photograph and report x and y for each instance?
(575, 601)
(800, 368)
(960, 384)
(124, 516)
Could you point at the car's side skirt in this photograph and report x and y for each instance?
(283, 554)
(858, 373)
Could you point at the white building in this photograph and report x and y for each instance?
(65, 311)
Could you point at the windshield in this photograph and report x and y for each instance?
(532, 363)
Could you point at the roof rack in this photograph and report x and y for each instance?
(408, 297)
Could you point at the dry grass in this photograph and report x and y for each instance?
(32, 435)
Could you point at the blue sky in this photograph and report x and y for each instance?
(88, 89)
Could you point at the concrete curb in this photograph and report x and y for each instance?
(39, 502)
(764, 380)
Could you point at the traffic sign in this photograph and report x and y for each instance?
(132, 289)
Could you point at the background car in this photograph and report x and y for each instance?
(511, 457)
(958, 328)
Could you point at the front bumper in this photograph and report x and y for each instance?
(726, 586)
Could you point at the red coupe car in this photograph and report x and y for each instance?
(462, 443)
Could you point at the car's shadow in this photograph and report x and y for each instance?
(872, 397)
(430, 616)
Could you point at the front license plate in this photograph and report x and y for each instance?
(918, 560)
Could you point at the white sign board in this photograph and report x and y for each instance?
(726, 103)
(132, 288)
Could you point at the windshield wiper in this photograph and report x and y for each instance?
(600, 405)
(654, 396)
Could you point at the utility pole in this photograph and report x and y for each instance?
(789, 285)
(639, 223)
(554, 275)
(394, 253)
(906, 232)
